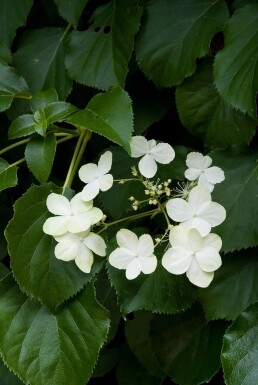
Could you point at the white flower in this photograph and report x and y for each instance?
(134, 255)
(198, 212)
(199, 167)
(191, 254)
(96, 176)
(152, 153)
(73, 216)
(79, 247)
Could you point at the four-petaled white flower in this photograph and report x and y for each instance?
(73, 216)
(96, 176)
(79, 247)
(134, 255)
(151, 153)
(199, 167)
(198, 212)
(191, 254)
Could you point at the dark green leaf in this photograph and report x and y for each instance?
(239, 195)
(174, 34)
(42, 99)
(109, 114)
(40, 154)
(3, 272)
(40, 122)
(58, 111)
(7, 377)
(5, 215)
(11, 85)
(8, 175)
(234, 287)
(42, 347)
(236, 69)
(240, 349)
(206, 114)
(71, 10)
(106, 46)
(32, 252)
(40, 59)
(13, 15)
(24, 125)
(5, 54)
(187, 349)
(106, 362)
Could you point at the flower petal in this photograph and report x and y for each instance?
(68, 237)
(195, 240)
(214, 175)
(197, 276)
(79, 206)
(121, 257)
(67, 251)
(199, 199)
(139, 146)
(95, 243)
(176, 260)
(105, 163)
(197, 160)
(95, 215)
(212, 240)
(88, 172)
(84, 259)
(148, 264)
(199, 224)
(208, 259)
(151, 144)
(91, 190)
(148, 166)
(178, 237)
(78, 223)
(204, 182)
(179, 210)
(163, 153)
(58, 204)
(133, 269)
(105, 182)
(215, 214)
(128, 239)
(56, 225)
(192, 173)
(145, 246)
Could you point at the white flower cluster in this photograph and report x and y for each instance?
(71, 225)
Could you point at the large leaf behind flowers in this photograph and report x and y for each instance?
(36, 269)
(45, 348)
(174, 34)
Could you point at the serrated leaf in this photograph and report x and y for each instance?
(12, 17)
(8, 175)
(45, 348)
(109, 114)
(238, 193)
(58, 111)
(5, 215)
(40, 59)
(71, 10)
(32, 252)
(234, 288)
(236, 69)
(40, 154)
(42, 99)
(106, 46)
(174, 34)
(205, 114)
(187, 349)
(23, 125)
(11, 85)
(7, 377)
(240, 349)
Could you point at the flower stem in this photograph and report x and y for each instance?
(164, 213)
(20, 143)
(16, 163)
(81, 152)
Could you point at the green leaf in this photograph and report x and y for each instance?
(12, 16)
(159, 292)
(236, 69)
(5, 215)
(106, 46)
(7, 377)
(24, 125)
(42, 99)
(5, 54)
(40, 154)
(187, 349)
(32, 252)
(240, 349)
(11, 85)
(45, 348)
(174, 34)
(40, 122)
(8, 175)
(234, 287)
(205, 114)
(138, 337)
(71, 10)
(3, 272)
(58, 111)
(239, 195)
(40, 59)
(109, 114)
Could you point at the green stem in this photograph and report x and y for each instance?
(67, 137)
(14, 145)
(27, 97)
(164, 213)
(132, 217)
(16, 163)
(127, 180)
(80, 154)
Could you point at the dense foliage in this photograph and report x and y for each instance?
(78, 80)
